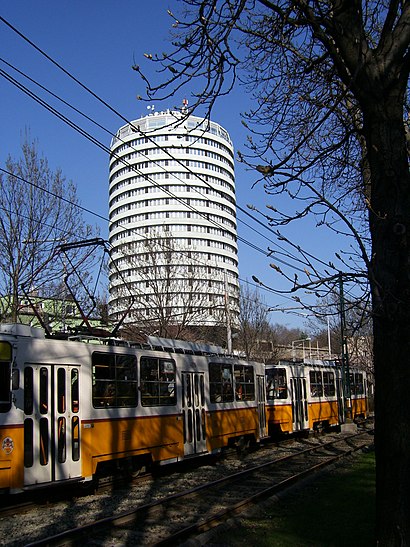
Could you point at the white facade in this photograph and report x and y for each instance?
(172, 215)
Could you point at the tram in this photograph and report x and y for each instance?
(309, 395)
(72, 409)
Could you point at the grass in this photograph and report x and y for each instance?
(334, 510)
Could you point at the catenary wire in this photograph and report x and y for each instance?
(197, 176)
(267, 289)
(117, 113)
(106, 149)
(95, 141)
(98, 144)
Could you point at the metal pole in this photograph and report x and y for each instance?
(228, 317)
(345, 353)
(328, 337)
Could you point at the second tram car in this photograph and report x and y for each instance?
(309, 395)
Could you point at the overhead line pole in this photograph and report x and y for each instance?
(345, 354)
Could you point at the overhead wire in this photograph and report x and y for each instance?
(125, 162)
(140, 293)
(117, 113)
(120, 158)
(98, 143)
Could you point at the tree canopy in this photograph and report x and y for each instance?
(39, 212)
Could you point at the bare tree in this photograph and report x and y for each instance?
(261, 340)
(255, 333)
(325, 322)
(174, 290)
(330, 129)
(38, 212)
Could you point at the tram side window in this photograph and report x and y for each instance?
(356, 383)
(5, 376)
(276, 384)
(352, 386)
(359, 383)
(244, 383)
(114, 380)
(316, 386)
(220, 383)
(157, 381)
(329, 384)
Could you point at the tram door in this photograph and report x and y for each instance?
(51, 423)
(193, 410)
(263, 431)
(299, 404)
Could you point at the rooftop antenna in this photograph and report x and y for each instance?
(152, 108)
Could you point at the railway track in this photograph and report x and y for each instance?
(176, 517)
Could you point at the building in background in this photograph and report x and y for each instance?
(173, 232)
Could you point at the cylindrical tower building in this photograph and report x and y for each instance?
(172, 216)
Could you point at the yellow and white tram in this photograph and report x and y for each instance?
(70, 408)
(309, 395)
(73, 409)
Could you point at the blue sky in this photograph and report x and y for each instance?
(98, 41)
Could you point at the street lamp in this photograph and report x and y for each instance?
(303, 340)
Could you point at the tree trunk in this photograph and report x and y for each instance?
(389, 215)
